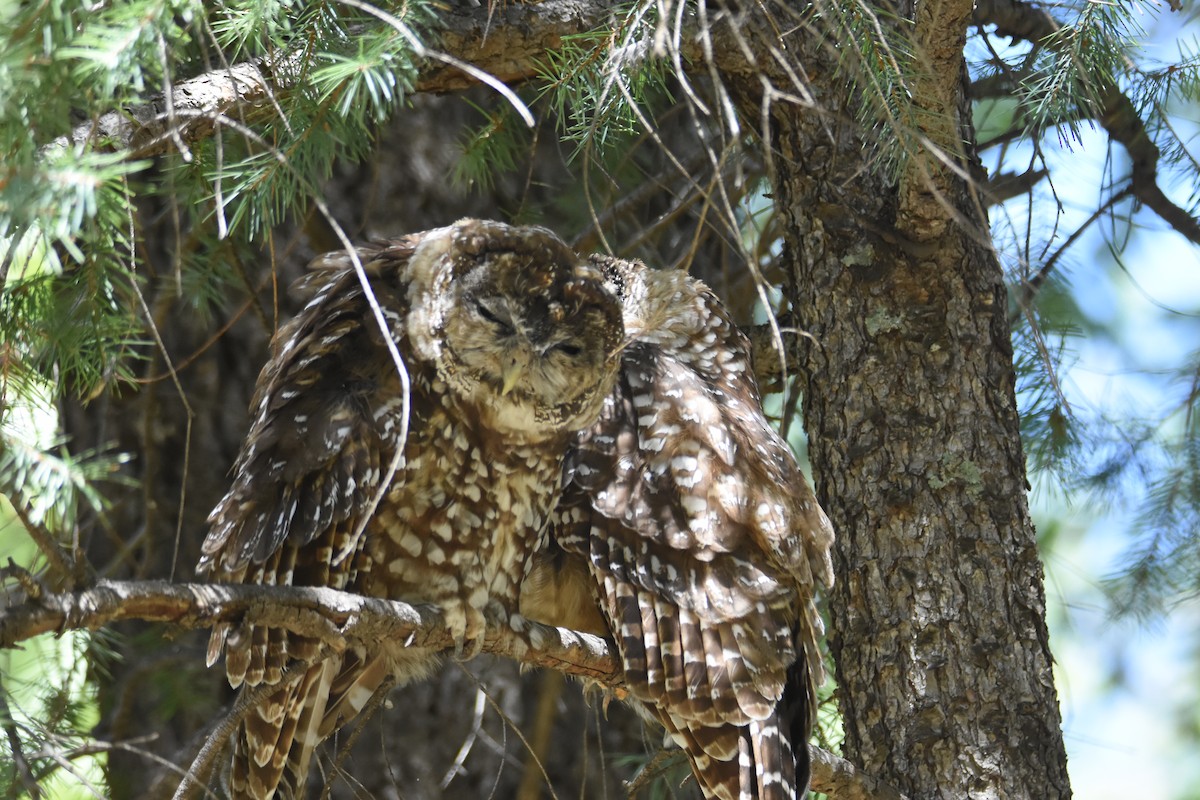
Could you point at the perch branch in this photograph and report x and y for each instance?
(339, 619)
(336, 618)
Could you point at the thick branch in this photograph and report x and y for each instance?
(939, 34)
(505, 40)
(1124, 125)
(1016, 20)
(339, 619)
(837, 777)
(508, 41)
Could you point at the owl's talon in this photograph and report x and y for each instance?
(466, 649)
(537, 636)
(468, 628)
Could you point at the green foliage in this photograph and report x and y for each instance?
(247, 28)
(1161, 92)
(59, 59)
(73, 206)
(600, 89)
(262, 176)
(492, 149)
(1041, 350)
(1062, 83)
(600, 83)
(882, 66)
(1076, 65)
(47, 698)
(48, 482)
(368, 85)
(46, 205)
(1154, 466)
(49, 706)
(122, 50)
(60, 201)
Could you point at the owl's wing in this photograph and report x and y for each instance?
(311, 456)
(326, 422)
(704, 541)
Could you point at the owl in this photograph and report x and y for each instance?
(410, 448)
(688, 522)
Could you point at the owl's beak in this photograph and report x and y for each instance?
(512, 373)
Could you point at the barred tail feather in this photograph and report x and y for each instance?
(274, 746)
(269, 759)
(352, 689)
(303, 735)
(744, 762)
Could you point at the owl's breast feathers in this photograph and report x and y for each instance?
(464, 514)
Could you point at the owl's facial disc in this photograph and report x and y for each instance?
(538, 349)
(533, 345)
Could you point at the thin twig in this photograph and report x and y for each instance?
(16, 749)
(1031, 287)
(61, 562)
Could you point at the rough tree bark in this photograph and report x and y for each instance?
(938, 615)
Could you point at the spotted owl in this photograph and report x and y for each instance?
(431, 484)
(688, 520)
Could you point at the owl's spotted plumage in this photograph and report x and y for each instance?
(510, 344)
(617, 402)
(703, 541)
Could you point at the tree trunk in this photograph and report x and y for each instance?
(938, 615)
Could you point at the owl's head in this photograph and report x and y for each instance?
(518, 326)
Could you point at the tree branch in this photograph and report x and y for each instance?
(336, 618)
(339, 619)
(1007, 185)
(837, 777)
(508, 41)
(503, 41)
(1116, 114)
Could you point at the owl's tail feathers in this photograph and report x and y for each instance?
(745, 762)
(275, 741)
(274, 745)
(763, 759)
